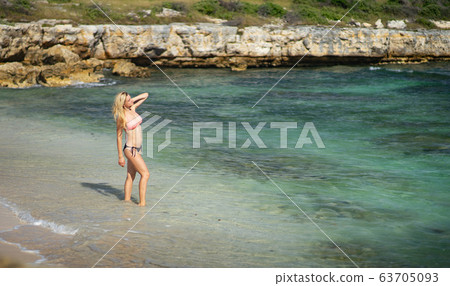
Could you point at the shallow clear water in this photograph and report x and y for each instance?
(379, 189)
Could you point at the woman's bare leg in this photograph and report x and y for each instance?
(141, 168)
(131, 174)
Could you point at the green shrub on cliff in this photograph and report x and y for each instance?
(431, 11)
(13, 7)
(428, 2)
(59, 1)
(232, 6)
(177, 6)
(341, 3)
(271, 9)
(425, 23)
(92, 15)
(239, 7)
(321, 13)
(207, 7)
(249, 8)
(367, 8)
(92, 12)
(228, 9)
(21, 6)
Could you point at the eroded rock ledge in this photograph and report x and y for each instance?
(62, 55)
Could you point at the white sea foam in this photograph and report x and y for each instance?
(400, 70)
(25, 250)
(80, 84)
(27, 218)
(391, 69)
(30, 87)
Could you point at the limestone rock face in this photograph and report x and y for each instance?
(17, 75)
(379, 24)
(80, 53)
(52, 22)
(441, 24)
(418, 44)
(59, 54)
(79, 39)
(128, 69)
(396, 24)
(15, 40)
(64, 43)
(166, 12)
(119, 43)
(238, 64)
(62, 74)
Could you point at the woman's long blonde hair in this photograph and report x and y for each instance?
(118, 110)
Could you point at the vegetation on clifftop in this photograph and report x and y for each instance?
(236, 12)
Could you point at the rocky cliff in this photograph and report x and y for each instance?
(63, 54)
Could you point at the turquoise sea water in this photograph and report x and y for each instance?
(379, 190)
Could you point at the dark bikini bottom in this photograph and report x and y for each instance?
(138, 149)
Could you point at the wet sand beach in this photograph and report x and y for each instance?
(11, 255)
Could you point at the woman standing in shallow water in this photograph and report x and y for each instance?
(126, 117)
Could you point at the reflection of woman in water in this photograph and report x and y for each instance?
(124, 110)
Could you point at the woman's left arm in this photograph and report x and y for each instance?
(138, 100)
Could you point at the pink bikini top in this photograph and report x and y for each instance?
(133, 123)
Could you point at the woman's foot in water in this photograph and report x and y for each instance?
(142, 204)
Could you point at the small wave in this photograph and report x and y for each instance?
(25, 250)
(77, 84)
(27, 218)
(400, 70)
(391, 69)
(56, 228)
(105, 82)
(28, 87)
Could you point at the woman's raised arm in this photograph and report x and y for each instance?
(138, 100)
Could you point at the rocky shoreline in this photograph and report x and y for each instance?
(60, 55)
